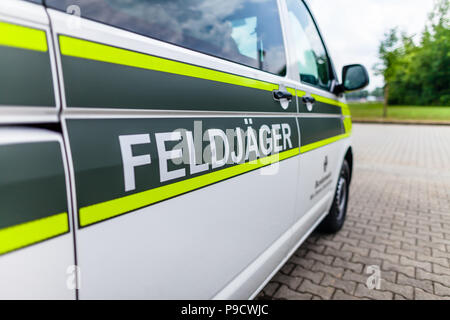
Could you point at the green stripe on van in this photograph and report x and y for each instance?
(322, 143)
(32, 191)
(95, 51)
(320, 131)
(25, 234)
(105, 210)
(25, 70)
(102, 76)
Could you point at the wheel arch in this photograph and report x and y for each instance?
(349, 158)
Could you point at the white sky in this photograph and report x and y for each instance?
(353, 29)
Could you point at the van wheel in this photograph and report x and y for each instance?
(334, 221)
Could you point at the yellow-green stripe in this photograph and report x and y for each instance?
(100, 52)
(18, 236)
(333, 102)
(13, 35)
(105, 210)
(322, 143)
(348, 124)
(345, 109)
(326, 100)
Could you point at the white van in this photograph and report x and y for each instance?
(176, 149)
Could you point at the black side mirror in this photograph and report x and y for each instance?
(354, 77)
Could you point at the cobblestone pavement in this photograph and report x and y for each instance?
(398, 219)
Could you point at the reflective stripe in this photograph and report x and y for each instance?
(348, 124)
(326, 100)
(345, 109)
(27, 233)
(291, 91)
(322, 101)
(13, 35)
(105, 210)
(95, 51)
(322, 143)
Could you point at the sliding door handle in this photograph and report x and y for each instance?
(307, 100)
(279, 94)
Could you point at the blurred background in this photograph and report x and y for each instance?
(405, 46)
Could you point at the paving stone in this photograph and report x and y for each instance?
(337, 272)
(363, 291)
(346, 285)
(440, 269)
(419, 294)
(423, 275)
(441, 290)
(415, 263)
(425, 285)
(341, 295)
(285, 293)
(314, 276)
(319, 257)
(338, 253)
(321, 291)
(291, 282)
(360, 250)
(357, 267)
(404, 290)
(407, 270)
(443, 262)
(398, 219)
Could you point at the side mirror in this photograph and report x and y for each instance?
(354, 77)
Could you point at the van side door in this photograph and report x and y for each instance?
(184, 165)
(36, 241)
(321, 122)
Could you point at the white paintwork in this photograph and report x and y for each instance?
(190, 246)
(266, 263)
(25, 114)
(203, 239)
(37, 271)
(35, 16)
(224, 241)
(24, 11)
(311, 163)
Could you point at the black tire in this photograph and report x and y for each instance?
(334, 221)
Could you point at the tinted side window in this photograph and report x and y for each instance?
(312, 59)
(244, 31)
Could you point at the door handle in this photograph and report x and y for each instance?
(279, 94)
(307, 100)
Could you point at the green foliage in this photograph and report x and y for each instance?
(418, 74)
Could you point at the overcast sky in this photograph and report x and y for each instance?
(353, 29)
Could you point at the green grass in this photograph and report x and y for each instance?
(374, 111)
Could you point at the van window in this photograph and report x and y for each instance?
(243, 31)
(312, 59)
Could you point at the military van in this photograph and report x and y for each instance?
(165, 149)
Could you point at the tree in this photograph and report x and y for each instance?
(418, 74)
(389, 53)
